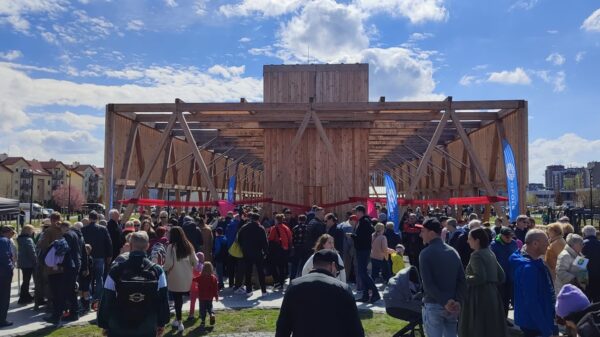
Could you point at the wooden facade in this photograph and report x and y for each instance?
(316, 138)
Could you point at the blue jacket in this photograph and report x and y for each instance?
(534, 294)
(503, 251)
(6, 263)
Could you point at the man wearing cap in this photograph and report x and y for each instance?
(362, 244)
(444, 283)
(97, 236)
(503, 247)
(318, 304)
(6, 272)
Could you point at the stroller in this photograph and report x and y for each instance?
(402, 298)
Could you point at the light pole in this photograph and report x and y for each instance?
(591, 189)
(69, 196)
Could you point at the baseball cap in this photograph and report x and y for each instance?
(506, 231)
(432, 224)
(327, 256)
(360, 208)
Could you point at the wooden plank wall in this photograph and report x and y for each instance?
(463, 183)
(176, 178)
(312, 167)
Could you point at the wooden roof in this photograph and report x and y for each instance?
(398, 131)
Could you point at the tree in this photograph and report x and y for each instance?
(61, 197)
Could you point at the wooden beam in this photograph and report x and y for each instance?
(475, 161)
(194, 148)
(427, 155)
(127, 162)
(150, 165)
(294, 144)
(109, 159)
(165, 166)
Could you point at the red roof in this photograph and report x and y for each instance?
(38, 169)
(47, 165)
(12, 160)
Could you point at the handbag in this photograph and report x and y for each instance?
(236, 250)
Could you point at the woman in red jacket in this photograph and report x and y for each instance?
(280, 244)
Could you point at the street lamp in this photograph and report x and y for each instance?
(69, 196)
(591, 189)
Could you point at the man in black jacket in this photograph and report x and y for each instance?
(362, 244)
(318, 304)
(332, 229)
(192, 232)
(64, 284)
(252, 238)
(115, 232)
(316, 226)
(98, 237)
(591, 250)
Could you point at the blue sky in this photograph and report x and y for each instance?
(61, 61)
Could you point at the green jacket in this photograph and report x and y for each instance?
(482, 312)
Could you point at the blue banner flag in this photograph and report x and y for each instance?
(511, 181)
(392, 202)
(231, 189)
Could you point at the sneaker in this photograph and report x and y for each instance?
(190, 318)
(263, 293)
(175, 324)
(212, 320)
(249, 293)
(180, 328)
(240, 291)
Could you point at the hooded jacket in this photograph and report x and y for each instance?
(503, 251)
(534, 294)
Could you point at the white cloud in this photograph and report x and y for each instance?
(331, 31)
(592, 23)
(11, 55)
(467, 80)
(517, 76)
(153, 84)
(568, 149)
(226, 72)
(135, 25)
(13, 12)
(556, 79)
(266, 50)
(419, 36)
(552, 31)
(244, 39)
(400, 74)
(171, 3)
(523, 4)
(74, 120)
(82, 28)
(417, 11)
(480, 67)
(579, 56)
(200, 7)
(261, 7)
(556, 59)
(68, 145)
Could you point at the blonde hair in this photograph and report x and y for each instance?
(379, 227)
(567, 229)
(207, 268)
(27, 230)
(556, 229)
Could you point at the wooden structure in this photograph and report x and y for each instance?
(316, 138)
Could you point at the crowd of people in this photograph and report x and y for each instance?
(471, 272)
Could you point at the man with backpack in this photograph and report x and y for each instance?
(135, 301)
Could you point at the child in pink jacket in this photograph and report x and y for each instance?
(194, 287)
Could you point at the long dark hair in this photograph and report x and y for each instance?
(183, 247)
(482, 236)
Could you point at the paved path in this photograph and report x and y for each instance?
(27, 320)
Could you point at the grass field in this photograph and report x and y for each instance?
(235, 321)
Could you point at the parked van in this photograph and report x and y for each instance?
(38, 211)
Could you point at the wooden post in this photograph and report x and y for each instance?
(427, 154)
(109, 151)
(150, 164)
(127, 163)
(197, 155)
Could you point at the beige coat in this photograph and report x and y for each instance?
(207, 243)
(566, 272)
(179, 271)
(379, 247)
(554, 249)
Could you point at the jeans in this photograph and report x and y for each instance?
(5, 280)
(362, 259)
(380, 265)
(64, 293)
(24, 293)
(98, 280)
(438, 322)
(297, 263)
(206, 306)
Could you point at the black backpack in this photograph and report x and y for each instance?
(136, 291)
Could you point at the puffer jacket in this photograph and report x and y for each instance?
(566, 272)
(26, 253)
